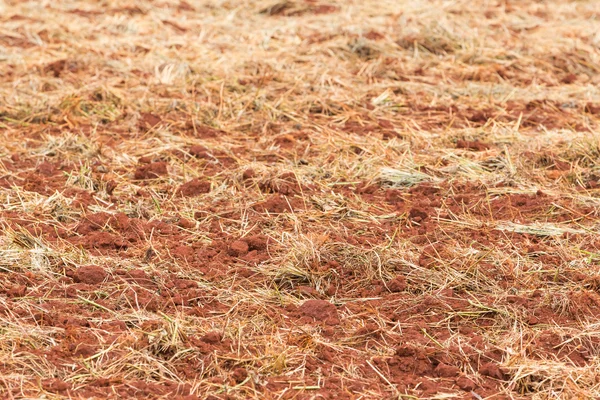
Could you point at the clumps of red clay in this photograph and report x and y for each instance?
(239, 375)
(102, 221)
(465, 384)
(446, 371)
(212, 337)
(199, 151)
(238, 248)
(152, 170)
(249, 247)
(195, 187)
(472, 145)
(257, 242)
(398, 284)
(46, 169)
(56, 385)
(417, 214)
(138, 276)
(278, 204)
(320, 310)
(90, 274)
(148, 121)
(285, 184)
(248, 174)
(492, 370)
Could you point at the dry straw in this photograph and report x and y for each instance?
(437, 163)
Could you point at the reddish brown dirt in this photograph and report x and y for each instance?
(194, 187)
(229, 234)
(91, 274)
(320, 310)
(472, 145)
(151, 171)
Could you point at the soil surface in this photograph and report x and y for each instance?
(299, 200)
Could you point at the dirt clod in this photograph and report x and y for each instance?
(465, 384)
(238, 248)
(248, 174)
(194, 187)
(446, 371)
(90, 274)
(212, 337)
(199, 151)
(417, 214)
(299, 199)
(151, 171)
(320, 310)
(492, 370)
(398, 284)
(148, 121)
(239, 374)
(472, 145)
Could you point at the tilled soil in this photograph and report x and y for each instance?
(299, 200)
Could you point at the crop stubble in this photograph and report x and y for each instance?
(302, 199)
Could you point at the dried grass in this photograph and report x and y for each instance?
(336, 98)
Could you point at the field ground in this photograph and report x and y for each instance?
(300, 200)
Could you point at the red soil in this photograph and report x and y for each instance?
(417, 364)
(151, 171)
(194, 187)
(247, 263)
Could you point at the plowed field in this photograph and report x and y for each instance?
(310, 199)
